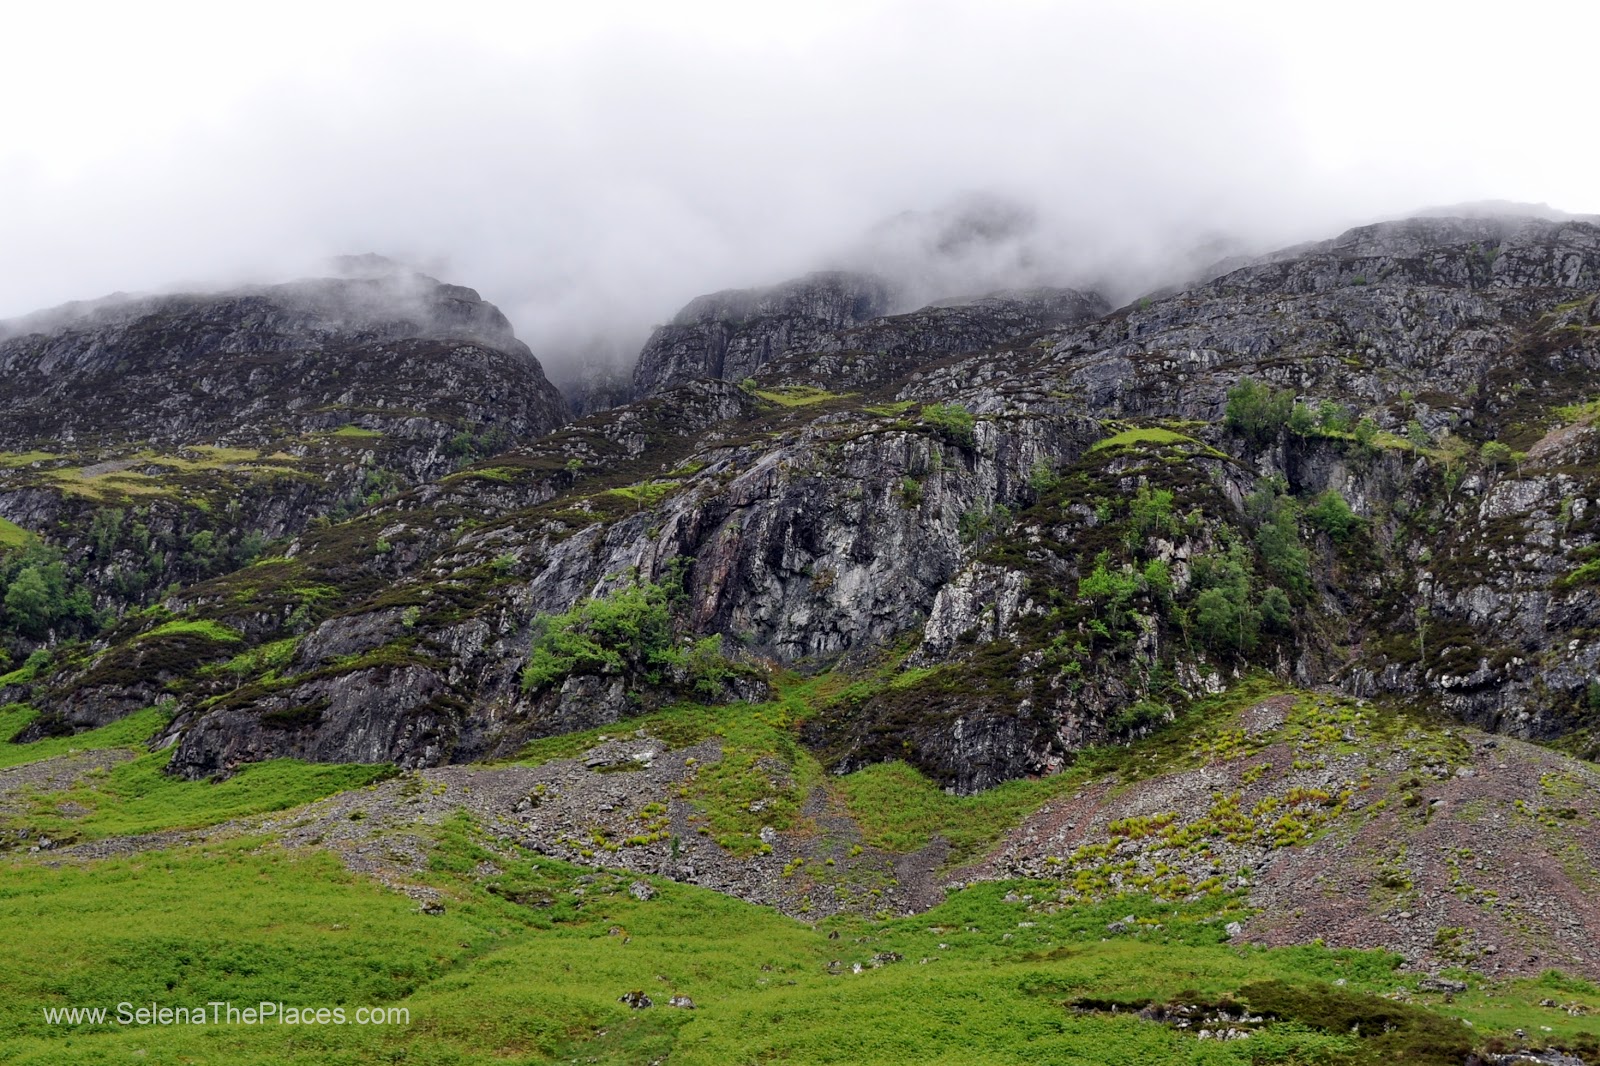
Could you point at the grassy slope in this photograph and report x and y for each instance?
(538, 980)
(491, 980)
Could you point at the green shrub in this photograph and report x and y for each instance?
(1158, 579)
(38, 594)
(629, 629)
(1331, 514)
(1138, 716)
(1333, 417)
(1494, 454)
(1223, 614)
(1043, 478)
(1278, 537)
(1107, 586)
(1257, 411)
(1152, 511)
(1276, 613)
(952, 421)
(1302, 421)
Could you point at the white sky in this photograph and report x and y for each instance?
(591, 166)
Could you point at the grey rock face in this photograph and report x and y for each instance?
(401, 714)
(828, 530)
(730, 334)
(885, 349)
(417, 356)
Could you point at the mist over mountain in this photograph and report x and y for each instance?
(881, 532)
(592, 172)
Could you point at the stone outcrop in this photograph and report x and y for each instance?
(731, 334)
(406, 354)
(960, 483)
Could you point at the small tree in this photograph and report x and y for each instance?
(1331, 514)
(31, 604)
(1152, 511)
(953, 422)
(1417, 436)
(1494, 454)
(1257, 411)
(1043, 478)
(1333, 417)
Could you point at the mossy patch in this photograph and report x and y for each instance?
(797, 395)
(13, 535)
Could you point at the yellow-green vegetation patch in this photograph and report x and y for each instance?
(798, 395)
(901, 810)
(350, 429)
(12, 535)
(503, 474)
(644, 493)
(116, 478)
(203, 457)
(139, 796)
(262, 662)
(106, 487)
(129, 732)
(1145, 436)
(1579, 412)
(890, 410)
(202, 627)
(14, 459)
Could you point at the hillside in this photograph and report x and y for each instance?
(1086, 676)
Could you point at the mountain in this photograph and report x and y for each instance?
(257, 364)
(1278, 588)
(730, 334)
(1004, 481)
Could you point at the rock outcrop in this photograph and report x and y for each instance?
(731, 334)
(1038, 509)
(400, 354)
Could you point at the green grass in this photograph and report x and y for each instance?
(645, 493)
(797, 395)
(520, 968)
(350, 429)
(1143, 436)
(899, 809)
(129, 732)
(13, 535)
(15, 459)
(202, 627)
(890, 410)
(140, 797)
(174, 473)
(530, 955)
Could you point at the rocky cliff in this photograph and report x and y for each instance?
(406, 353)
(730, 334)
(164, 439)
(1365, 463)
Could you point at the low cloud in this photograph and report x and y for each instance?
(591, 175)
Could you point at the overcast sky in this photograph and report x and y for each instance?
(590, 167)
